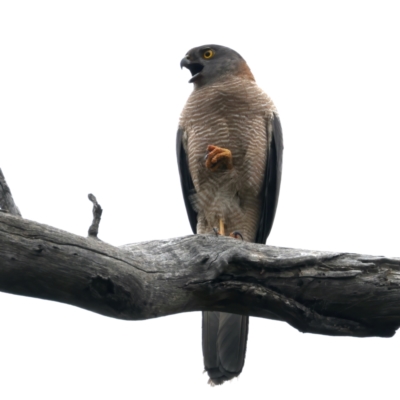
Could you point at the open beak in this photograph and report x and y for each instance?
(194, 68)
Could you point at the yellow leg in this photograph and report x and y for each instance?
(221, 227)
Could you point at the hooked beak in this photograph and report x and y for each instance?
(194, 68)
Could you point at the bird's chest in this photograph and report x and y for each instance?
(223, 121)
(234, 119)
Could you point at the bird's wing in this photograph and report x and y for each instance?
(272, 182)
(186, 179)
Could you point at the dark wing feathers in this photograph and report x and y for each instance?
(186, 179)
(272, 182)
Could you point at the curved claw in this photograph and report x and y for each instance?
(236, 235)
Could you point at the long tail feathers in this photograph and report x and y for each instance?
(224, 345)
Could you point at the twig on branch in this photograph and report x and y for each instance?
(318, 292)
(97, 211)
(7, 203)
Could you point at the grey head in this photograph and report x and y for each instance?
(212, 63)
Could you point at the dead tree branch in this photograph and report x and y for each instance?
(317, 292)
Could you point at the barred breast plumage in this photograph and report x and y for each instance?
(234, 114)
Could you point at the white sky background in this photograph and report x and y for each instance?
(90, 97)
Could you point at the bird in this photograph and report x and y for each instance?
(229, 149)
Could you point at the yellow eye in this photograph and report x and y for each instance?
(208, 54)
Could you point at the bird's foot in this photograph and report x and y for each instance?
(218, 158)
(236, 235)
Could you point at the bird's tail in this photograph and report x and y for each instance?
(224, 345)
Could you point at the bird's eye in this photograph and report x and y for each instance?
(208, 54)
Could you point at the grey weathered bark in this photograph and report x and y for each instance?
(97, 211)
(7, 203)
(318, 292)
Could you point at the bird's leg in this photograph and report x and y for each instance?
(218, 158)
(221, 227)
(221, 230)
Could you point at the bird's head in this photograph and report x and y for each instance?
(212, 63)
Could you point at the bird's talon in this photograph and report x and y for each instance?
(218, 158)
(236, 235)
